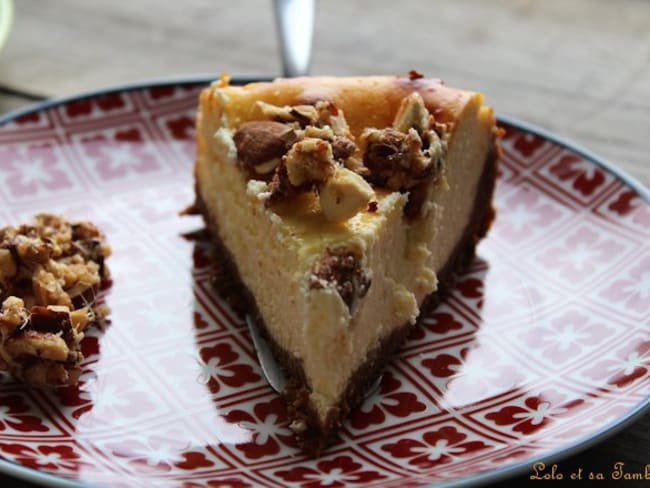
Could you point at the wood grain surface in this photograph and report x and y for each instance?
(580, 68)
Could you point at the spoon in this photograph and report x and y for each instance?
(271, 370)
(295, 23)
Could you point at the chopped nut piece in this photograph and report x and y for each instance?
(82, 231)
(86, 277)
(435, 149)
(322, 114)
(329, 114)
(409, 153)
(319, 132)
(54, 319)
(303, 114)
(44, 349)
(342, 148)
(343, 195)
(268, 167)
(32, 248)
(341, 269)
(80, 318)
(395, 159)
(298, 426)
(50, 374)
(259, 142)
(412, 114)
(280, 189)
(356, 164)
(310, 160)
(13, 314)
(417, 197)
(7, 265)
(48, 290)
(41, 345)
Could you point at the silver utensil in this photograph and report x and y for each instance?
(295, 23)
(272, 372)
(270, 368)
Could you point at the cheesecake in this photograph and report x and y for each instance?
(342, 209)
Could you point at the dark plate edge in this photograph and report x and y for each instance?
(138, 85)
(515, 469)
(609, 167)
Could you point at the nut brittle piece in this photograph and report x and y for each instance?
(50, 271)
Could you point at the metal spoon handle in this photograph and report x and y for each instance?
(295, 21)
(270, 369)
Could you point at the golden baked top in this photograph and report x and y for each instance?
(368, 101)
(341, 139)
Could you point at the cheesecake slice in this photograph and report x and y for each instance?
(344, 208)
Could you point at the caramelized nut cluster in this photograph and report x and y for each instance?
(310, 148)
(341, 270)
(305, 148)
(49, 272)
(52, 261)
(410, 152)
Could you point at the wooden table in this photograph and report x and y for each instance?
(580, 68)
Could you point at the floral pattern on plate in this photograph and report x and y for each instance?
(171, 392)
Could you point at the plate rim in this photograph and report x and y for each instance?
(9, 467)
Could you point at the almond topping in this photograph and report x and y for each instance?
(259, 142)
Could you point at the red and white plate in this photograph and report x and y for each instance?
(542, 349)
